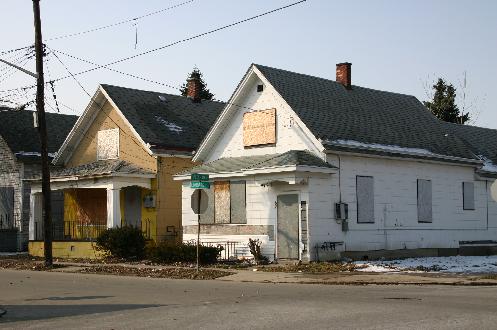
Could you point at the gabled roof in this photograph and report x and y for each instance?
(17, 129)
(362, 115)
(165, 121)
(245, 163)
(482, 141)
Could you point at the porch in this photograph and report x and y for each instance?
(118, 194)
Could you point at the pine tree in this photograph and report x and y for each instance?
(205, 93)
(443, 105)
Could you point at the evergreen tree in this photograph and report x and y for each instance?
(443, 105)
(205, 93)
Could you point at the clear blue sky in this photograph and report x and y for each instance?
(394, 45)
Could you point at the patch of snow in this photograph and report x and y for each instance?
(382, 147)
(455, 264)
(13, 253)
(488, 166)
(169, 125)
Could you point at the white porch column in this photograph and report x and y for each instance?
(113, 208)
(35, 215)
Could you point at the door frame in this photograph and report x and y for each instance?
(299, 238)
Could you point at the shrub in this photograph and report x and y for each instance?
(166, 252)
(122, 242)
(255, 249)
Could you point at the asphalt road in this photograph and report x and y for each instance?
(39, 300)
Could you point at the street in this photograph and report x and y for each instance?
(41, 300)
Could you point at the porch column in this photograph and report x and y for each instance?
(113, 208)
(35, 215)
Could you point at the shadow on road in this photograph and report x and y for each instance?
(70, 298)
(16, 313)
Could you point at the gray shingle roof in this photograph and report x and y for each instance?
(17, 129)
(101, 167)
(482, 141)
(165, 121)
(238, 164)
(370, 116)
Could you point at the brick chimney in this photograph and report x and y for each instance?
(194, 89)
(344, 74)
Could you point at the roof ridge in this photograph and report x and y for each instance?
(333, 81)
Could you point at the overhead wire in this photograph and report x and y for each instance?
(130, 20)
(184, 40)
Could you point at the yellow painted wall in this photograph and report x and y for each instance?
(130, 148)
(66, 250)
(169, 196)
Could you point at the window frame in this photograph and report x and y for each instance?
(418, 201)
(464, 203)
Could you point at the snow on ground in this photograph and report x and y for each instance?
(456, 264)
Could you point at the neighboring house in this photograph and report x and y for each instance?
(117, 165)
(21, 160)
(316, 168)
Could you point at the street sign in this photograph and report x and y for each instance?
(199, 177)
(201, 185)
(199, 208)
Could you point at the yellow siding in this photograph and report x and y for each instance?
(169, 196)
(130, 148)
(66, 250)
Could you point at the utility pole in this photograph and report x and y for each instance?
(42, 128)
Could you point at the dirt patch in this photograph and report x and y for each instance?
(26, 264)
(312, 268)
(174, 273)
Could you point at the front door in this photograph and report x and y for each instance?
(132, 206)
(288, 227)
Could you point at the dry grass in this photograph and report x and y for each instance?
(312, 268)
(175, 273)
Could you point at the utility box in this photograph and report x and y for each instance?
(149, 201)
(341, 211)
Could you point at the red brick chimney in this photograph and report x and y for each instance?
(344, 74)
(194, 89)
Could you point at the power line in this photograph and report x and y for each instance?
(113, 70)
(134, 19)
(185, 40)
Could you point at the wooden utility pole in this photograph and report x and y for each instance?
(42, 128)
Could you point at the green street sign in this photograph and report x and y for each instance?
(201, 185)
(199, 177)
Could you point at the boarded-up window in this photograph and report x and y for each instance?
(365, 199)
(238, 202)
(227, 203)
(424, 201)
(468, 193)
(222, 201)
(208, 216)
(6, 207)
(259, 128)
(108, 144)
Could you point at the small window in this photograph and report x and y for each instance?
(260, 88)
(365, 199)
(468, 195)
(227, 203)
(425, 213)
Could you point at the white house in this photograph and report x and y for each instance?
(316, 168)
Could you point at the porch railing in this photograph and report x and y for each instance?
(231, 250)
(71, 231)
(10, 221)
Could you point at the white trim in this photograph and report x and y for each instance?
(266, 170)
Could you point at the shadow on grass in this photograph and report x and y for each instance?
(16, 313)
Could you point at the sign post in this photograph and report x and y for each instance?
(199, 202)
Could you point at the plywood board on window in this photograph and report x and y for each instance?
(108, 144)
(222, 201)
(259, 127)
